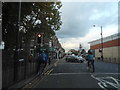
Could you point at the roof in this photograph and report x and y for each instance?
(105, 39)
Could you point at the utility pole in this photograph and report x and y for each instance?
(101, 44)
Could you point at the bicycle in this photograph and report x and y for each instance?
(91, 67)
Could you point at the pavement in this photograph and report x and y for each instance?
(28, 82)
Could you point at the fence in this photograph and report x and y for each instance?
(24, 68)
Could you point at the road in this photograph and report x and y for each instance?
(75, 75)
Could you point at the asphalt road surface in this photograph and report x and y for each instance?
(75, 75)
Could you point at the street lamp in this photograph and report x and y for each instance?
(101, 43)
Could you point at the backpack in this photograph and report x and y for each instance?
(90, 57)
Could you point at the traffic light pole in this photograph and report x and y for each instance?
(40, 40)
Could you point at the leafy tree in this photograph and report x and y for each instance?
(34, 17)
(73, 51)
(22, 21)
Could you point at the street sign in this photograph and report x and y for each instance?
(51, 49)
(43, 49)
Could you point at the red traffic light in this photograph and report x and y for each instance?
(39, 35)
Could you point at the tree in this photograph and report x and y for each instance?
(22, 20)
(73, 51)
(47, 13)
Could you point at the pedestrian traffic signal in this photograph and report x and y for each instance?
(39, 38)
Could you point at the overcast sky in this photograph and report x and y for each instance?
(78, 19)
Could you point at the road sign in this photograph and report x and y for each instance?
(43, 49)
(51, 49)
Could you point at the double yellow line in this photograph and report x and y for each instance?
(36, 80)
(48, 72)
(33, 83)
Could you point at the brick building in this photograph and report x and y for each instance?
(111, 48)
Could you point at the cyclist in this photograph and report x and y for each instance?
(90, 59)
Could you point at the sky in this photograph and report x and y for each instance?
(78, 19)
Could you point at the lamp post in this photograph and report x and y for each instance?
(101, 43)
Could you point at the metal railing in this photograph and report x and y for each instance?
(25, 68)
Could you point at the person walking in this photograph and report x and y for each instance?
(39, 61)
(49, 59)
(44, 58)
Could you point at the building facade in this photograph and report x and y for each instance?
(111, 48)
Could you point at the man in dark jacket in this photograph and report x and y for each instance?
(39, 61)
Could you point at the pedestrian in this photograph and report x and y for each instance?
(44, 58)
(39, 61)
(90, 59)
(49, 59)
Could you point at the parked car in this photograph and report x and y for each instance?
(80, 59)
(73, 58)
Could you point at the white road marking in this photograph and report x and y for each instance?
(103, 83)
(100, 84)
(66, 73)
(80, 73)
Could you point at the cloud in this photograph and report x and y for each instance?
(78, 19)
(94, 34)
(109, 30)
(70, 43)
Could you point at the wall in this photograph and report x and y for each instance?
(110, 54)
(111, 43)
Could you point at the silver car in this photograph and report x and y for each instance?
(73, 58)
(80, 59)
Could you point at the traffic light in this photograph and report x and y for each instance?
(39, 38)
(100, 50)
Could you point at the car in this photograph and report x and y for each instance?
(73, 58)
(80, 59)
(70, 58)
